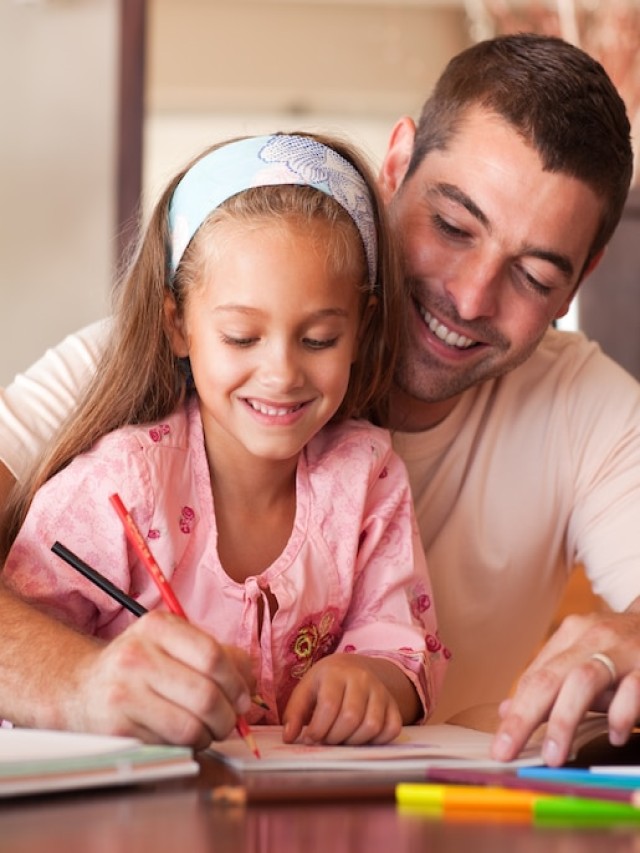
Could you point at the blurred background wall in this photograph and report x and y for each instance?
(213, 68)
(349, 66)
(58, 68)
(209, 69)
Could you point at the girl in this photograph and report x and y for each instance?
(259, 318)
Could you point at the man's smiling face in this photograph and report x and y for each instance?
(493, 248)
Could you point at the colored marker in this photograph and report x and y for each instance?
(508, 779)
(477, 801)
(579, 776)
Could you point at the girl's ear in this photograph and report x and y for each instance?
(174, 327)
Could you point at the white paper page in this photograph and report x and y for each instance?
(42, 745)
(437, 745)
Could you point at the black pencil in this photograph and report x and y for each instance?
(99, 580)
(115, 592)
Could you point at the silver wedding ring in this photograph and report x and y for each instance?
(606, 661)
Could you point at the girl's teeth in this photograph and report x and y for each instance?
(272, 411)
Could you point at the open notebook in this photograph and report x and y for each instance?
(416, 748)
(38, 761)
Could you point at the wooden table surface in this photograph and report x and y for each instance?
(180, 816)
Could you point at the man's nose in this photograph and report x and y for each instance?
(475, 289)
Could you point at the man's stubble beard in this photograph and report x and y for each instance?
(426, 380)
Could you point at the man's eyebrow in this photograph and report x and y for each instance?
(562, 262)
(455, 194)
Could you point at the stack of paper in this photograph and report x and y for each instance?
(37, 761)
(416, 747)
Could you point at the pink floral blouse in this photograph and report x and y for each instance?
(352, 577)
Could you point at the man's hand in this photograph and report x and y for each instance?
(565, 681)
(162, 680)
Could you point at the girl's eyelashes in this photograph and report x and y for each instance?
(238, 341)
(309, 343)
(318, 344)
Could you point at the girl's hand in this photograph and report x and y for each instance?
(350, 699)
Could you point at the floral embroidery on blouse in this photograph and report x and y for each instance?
(313, 641)
(434, 644)
(420, 602)
(186, 519)
(157, 433)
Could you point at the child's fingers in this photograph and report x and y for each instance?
(353, 711)
(371, 717)
(339, 701)
(392, 725)
(332, 721)
(315, 705)
(298, 711)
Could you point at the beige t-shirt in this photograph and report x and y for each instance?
(38, 400)
(530, 474)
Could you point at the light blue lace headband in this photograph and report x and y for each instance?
(268, 161)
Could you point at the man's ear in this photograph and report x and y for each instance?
(593, 263)
(396, 160)
(174, 327)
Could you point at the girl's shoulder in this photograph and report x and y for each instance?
(355, 444)
(169, 432)
(353, 431)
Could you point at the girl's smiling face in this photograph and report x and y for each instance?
(271, 333)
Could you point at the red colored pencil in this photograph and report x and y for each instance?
(138, 542)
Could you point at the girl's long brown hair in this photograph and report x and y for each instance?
(140, 380)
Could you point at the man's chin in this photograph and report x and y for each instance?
(427, 385)
(430, 381)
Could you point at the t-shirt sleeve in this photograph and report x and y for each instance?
(36, 403)
(604, 453)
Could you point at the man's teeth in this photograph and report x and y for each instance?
(453, 339)
(273, 411)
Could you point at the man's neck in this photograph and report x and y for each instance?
(408, 414)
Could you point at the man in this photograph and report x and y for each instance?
(503, 200)
(522, 443)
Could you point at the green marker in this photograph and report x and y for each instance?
(582, 811)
